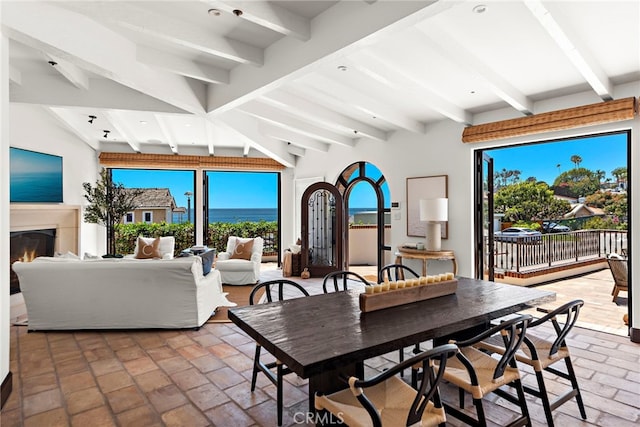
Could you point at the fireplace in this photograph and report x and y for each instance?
(26, 245)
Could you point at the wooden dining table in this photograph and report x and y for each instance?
(326, 337)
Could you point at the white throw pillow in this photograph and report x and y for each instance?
(167, 243)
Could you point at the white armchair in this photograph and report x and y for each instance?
(239, 264)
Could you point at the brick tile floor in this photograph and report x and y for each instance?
(202, 378)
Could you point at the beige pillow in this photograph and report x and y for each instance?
(242, 250)
(148, 250)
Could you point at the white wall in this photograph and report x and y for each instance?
(32, 128)
(406, 154)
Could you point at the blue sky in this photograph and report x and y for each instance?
(605, 152)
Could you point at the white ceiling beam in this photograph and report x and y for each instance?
(65, 118)
(119, 124)
(181, 66)
(357, 23)
(73, 74)
(246, 128)
(170, 29)
(62, 33)
(15, 75)
(279, 118)
(458, 54)
(245, 150)
(165, 128)
(295, 138)
(268, 15)
(573, 49)
(365, 103)
(295, 150)
(313, 112)
(402, 80)
(50, 89)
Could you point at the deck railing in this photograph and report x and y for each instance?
(550, 250)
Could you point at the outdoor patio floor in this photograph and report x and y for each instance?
(201, 378)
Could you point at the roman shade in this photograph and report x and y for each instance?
(586, 115)
(141, 160)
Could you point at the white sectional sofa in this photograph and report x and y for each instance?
(118, 293)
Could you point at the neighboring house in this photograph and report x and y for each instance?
(580, 210)
(154, 205)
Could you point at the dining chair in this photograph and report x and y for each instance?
(340, 280)
(386, 400)
(273, 290)
(394, 272)
(476, 372)
(540, 353)
(619, 271)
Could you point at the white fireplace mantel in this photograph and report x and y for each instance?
(64, 218)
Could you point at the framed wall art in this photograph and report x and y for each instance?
(424, 187)
(34, 177)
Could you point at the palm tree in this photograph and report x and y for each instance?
(576, 160)
(600, 174)
(620, 174)
(558, 166)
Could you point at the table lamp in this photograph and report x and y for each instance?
(433, 211)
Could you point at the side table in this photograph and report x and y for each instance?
(425, 256)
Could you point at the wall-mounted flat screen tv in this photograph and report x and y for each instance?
(34, 177)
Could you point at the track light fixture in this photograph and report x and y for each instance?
(91, 119)
(52, 63)
(106, 133)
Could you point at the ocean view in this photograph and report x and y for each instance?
(247, 214)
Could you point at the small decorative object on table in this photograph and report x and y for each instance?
(391, 294)
(305, 274)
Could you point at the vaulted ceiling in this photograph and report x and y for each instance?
(282, 78)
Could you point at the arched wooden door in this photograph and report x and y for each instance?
(322, 229)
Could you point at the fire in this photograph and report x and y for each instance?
(28, 256)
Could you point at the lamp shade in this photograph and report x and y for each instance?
(434, 209)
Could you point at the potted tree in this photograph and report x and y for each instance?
(108, 203)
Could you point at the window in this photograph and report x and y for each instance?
(129, 218)
(147, 216)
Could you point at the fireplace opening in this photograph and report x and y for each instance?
(25, 246)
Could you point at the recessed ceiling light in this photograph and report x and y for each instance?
(143, 122)
(214, 12)
(481, 8)
(472, 92)
(342, 67)
(187, 124)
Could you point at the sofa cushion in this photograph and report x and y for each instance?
(147, 250)
(242, 250)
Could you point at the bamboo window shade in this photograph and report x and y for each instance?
(141, 160)
(570, 118)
